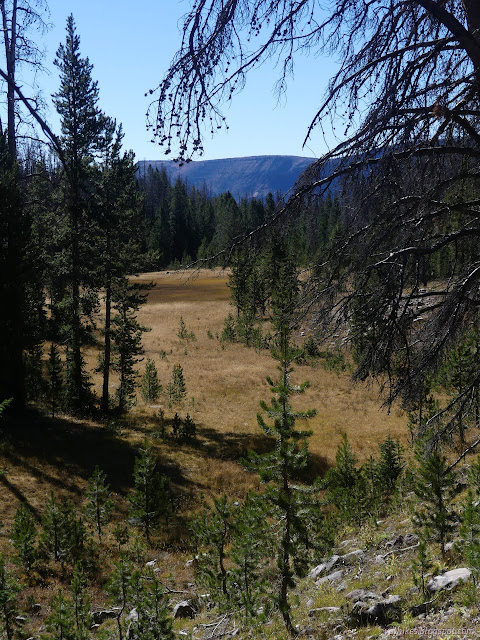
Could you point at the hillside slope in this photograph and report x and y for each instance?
(251, 177)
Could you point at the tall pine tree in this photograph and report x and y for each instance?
(81, 123)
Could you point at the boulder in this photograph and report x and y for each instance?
(410, 539)
(448, 580)
(98, 617)
(396, 542)
(361, 594)
(324, 567)
(332, 577)
(382, 612)
(184, 609)
(352, 557)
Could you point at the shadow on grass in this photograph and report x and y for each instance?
(236, 446)
(40, 444)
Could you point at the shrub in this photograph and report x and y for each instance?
(150, 387)
(177, 390)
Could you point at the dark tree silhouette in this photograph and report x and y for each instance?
(406, 96)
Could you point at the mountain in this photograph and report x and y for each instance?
(251, 177)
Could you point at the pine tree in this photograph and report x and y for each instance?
(177, 390)
(9, 588)
(211, 534)
(183, 334)
(250, 553)
(436, 487)
(54, 380)
(81, 123)
(347, 487)
(150, 498)
(126, 334)
(117, 207)
(297, 533)
(150, 387)
(24, 537)
(421, 566)
(470, 533)
(99, 504)
(153, 620)
(81, 604)
(61, 622)
(390, 466)
(63, 533)
(189, 428)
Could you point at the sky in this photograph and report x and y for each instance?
(131, 44)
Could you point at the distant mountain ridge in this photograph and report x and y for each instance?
(250, 177)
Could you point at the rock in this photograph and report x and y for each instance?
(133, 619)
(36, 607)
(21, 619)
(361, 594)
(151, 564)
(410, 539)
(332, 577)
(449, 546)
(448, 580)
(184, 609)
(396, 542)
(382, 612)
(132, 616)
(352, 557)
(324, 567)
(347, 543)
(99, 617)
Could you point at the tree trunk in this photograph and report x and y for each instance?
(107, 348)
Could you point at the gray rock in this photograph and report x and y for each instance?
(332, 577)
(324, 567)
(448, 580)
(361, 594)
(353, 557)
(382, 612)
(99, 617)
(396, 542)
(410, 539)
(184, 609)
(132, 616)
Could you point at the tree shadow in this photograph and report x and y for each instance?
(236, 446)
(41, 445)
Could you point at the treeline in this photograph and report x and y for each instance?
(184, 224)
(69, 235)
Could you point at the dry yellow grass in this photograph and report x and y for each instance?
(228, 382)
(224, 387)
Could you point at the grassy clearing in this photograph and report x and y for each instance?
(225, 384)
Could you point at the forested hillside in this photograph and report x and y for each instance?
(251, 177)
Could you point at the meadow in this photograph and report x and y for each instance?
(225, 384)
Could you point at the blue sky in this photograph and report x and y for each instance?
(131, 44)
